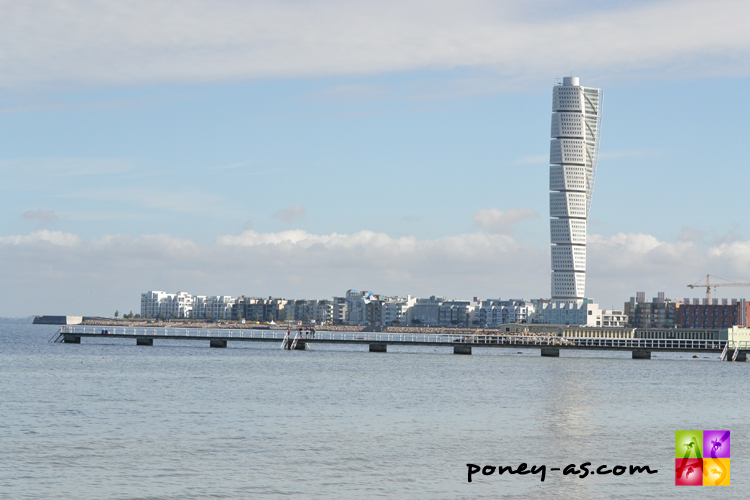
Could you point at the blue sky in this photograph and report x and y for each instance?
(303, 148)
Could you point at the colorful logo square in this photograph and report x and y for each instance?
(716, 471)
(717, 443)
(688, 444)
(688, 472)
(702, 458)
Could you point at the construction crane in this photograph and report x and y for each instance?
(708, 286)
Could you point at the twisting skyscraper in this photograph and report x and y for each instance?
(576, 122)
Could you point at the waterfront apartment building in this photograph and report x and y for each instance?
(158, 304)
(307, 311)
(574, 148)
(213, 307)
(495, 312)
(585, 313)
(396, 311)
(340, 314)
(260, 309)
(322, 311)
(426, 311)
(661, 312)
(363, 308)
(714, 315)
(457, 312)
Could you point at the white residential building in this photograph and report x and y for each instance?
(457, 312)
(426, 312)
(614, 317)
(319, 311)
(323, 312)
(586, 313)
(565, 312)
(157, 304)
(496, 312)
(363, 308)
(574, 148)
(397, 310)
(339, 311)
(213, 306)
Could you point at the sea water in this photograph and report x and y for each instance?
(107, 419)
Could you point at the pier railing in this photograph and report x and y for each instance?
(409, 338)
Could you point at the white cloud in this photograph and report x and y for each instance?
(40, 277)
(737, 256)
(620, 265)
(56, 238)
(498, 221)
(166, 40)
(52, 272)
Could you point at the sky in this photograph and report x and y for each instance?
(303, 148)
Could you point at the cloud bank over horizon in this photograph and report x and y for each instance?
(60, 273)
(137, 42)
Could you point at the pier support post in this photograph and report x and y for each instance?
(71, 339)
(461, 349)
(551, 352)
(741, 356)
(144, 341)
(640, 354)
(218, 343)
(378, 347)
(301, 346)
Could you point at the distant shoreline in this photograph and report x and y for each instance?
(17, 321)
(516, 329)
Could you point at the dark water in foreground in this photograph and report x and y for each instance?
(106, 419)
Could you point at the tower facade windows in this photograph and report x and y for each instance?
(575, 126)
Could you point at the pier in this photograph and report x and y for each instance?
(549, 345)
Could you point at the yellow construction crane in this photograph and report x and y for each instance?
(708, 286)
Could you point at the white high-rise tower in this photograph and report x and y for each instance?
(576, 122)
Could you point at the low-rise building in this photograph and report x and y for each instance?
(573, 313)
(614, 317)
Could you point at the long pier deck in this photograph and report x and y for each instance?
(378, 342)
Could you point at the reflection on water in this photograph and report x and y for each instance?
(107, 419)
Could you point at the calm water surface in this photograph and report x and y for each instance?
(109, 420)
